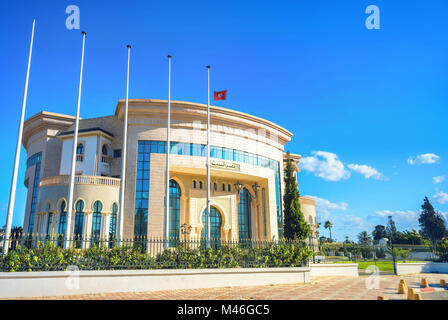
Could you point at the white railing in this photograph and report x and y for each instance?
(80, 179)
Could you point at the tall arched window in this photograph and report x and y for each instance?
(215, 226)
(174, 222)
(244, 228)
(96, 222)
(49, 220)
(113, 224)
(79, 221)
(62, 222)
(200, 184)
(80, 152)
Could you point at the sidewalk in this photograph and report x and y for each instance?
(320, 288)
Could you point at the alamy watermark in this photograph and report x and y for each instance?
(373, 20)
(73, 20)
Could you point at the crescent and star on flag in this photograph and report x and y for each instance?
(221, 95)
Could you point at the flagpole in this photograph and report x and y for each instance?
(124, 152)
(208, 156)
(12, 194)
(167, 177)
(75, 142)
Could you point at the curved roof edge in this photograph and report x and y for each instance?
(215, 109)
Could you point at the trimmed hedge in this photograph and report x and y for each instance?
(49, 257)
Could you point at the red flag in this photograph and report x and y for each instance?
(220, 95)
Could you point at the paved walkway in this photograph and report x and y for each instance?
(320, 288)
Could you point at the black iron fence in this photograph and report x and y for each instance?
(54, 252)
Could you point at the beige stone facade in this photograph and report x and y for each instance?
(247, 158)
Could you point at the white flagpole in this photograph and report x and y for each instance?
(167, 178)
(12, 194)
(208, 156)
(124, 153)
(75, 142)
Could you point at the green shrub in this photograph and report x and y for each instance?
(442, 251)
(51, 257)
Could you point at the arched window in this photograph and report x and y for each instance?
(194, 184)
(229, 188)
(62, 222)
(200, 184)
(105, 150)
(105, 154)
(113, 225)
(215, 225)
(174, 222)
(215, 186)
(79, 221)
(223, 187)
(80, 152)
(49, 220)
(96, 222)
(244, 228)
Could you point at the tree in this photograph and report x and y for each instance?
(391, 230)
(328, 225)
(409, 237)
(379, 232)
(323, 239)
(364, 238)
(431, 223)
(295, 226)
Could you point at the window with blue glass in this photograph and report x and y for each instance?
(79, 221)
(244, 227)
(113, 220)
(34, 160)
(49, 220)
(50, 223)
(142, 186)
(113, 225)
(62, 222)
(174, 221)
(215, 226)
(96, 222)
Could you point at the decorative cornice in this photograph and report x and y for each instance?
(191, 111)
(43, 121)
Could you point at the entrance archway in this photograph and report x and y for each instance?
(215, 225)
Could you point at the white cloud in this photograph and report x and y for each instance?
(367, 171)
(325, 165)
(404, 220)
(438, 179)
(441, 197)
(425, 158)
(324, 208)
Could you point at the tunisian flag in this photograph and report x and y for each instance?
(220, 95)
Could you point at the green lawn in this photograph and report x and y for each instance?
(382, 265)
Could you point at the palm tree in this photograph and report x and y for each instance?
(328, 225)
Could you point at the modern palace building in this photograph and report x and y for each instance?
(247, 161)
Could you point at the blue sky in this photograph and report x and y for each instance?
(367, 107)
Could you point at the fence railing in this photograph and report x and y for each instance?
(57, 252)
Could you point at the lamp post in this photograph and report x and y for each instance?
(256, 187)
(186, 230)
(238, 186)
